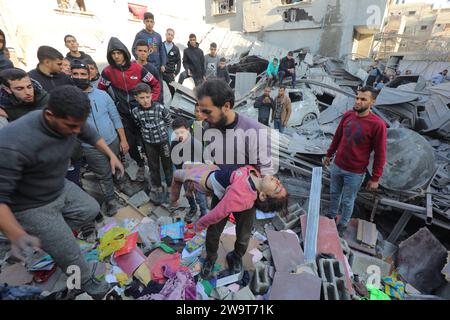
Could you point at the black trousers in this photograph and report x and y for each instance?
(168, 78)
(133, 137)
(157, 154)
(244, 225)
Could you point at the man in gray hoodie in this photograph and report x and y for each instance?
(38, 207)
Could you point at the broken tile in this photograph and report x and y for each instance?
(244, 294)
(139, 199)
(420, 260)
(290, 286)
(364, 265)
(286, 251)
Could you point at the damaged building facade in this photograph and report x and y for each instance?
(331, 28)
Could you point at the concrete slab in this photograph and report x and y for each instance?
(328, 242)
(420, 260)
(139, 199)
(291, 286)
(160, 212)
(362, 262)
(286, 251)
(244, 294)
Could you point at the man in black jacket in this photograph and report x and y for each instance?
(20, 94)
(173, 64)
(48, 71)
(71, 43)
(264, 104)
(193, 62)
(287, 68)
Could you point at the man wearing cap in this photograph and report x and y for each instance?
(287, 68)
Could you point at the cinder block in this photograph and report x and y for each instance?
(260, 281)
(287, 222)
(333, 279)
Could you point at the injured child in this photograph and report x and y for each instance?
(238, 189)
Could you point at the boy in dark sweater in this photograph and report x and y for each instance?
(153, 121)
(222, 71)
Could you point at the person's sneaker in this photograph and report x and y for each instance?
(88, 234)
(110, 208)
(341, 229)
(234, 262)
(207, 269)
(96, 289)
(99, 218)
(140, 175)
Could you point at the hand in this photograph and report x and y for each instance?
(189, 73)
(284, 124)
(372, 185)
(266, 100)
(116, 164)
(124, 147)
(326, 161)
(3, 113)
(163, 69)
(24, 244)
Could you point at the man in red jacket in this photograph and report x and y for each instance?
(123, 75)
(359, 133)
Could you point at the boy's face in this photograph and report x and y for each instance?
(181, 134)
(72, 44)
(142, 53)
(144, 99)
(193, 41)
(222, 64)
(212, 51)
(199, 116)
(149, 24)
(118, 57)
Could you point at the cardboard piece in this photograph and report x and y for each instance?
(143, 274)
(128, 212)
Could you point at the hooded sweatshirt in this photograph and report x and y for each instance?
(194, 60)
(5, 63)
(16, 108)
(157, 57)
(123, 79)
(271, 70)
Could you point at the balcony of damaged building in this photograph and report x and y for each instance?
(413, 201)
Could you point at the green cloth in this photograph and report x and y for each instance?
(376, 294)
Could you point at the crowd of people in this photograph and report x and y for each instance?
(65, 114)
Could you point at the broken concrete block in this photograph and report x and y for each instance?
(160, 212)
(333, 279)
(220, 293)
(132, 170)
(365, 265)
(284, 223)
(139, 199)
(260, 282)
(420, 260)
(308, 267)
(244, 294)
(229, 279)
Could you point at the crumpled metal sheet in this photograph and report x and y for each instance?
(410, 160)
(309, 139)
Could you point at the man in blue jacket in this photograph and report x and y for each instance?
(105, 119)
(157, 55)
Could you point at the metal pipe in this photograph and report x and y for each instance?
(312, 222)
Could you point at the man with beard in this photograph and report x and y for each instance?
(238, 141)
(359, 133)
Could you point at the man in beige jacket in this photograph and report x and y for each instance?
(282, 110)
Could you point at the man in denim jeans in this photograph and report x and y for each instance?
(359, 133)
(281, 110)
